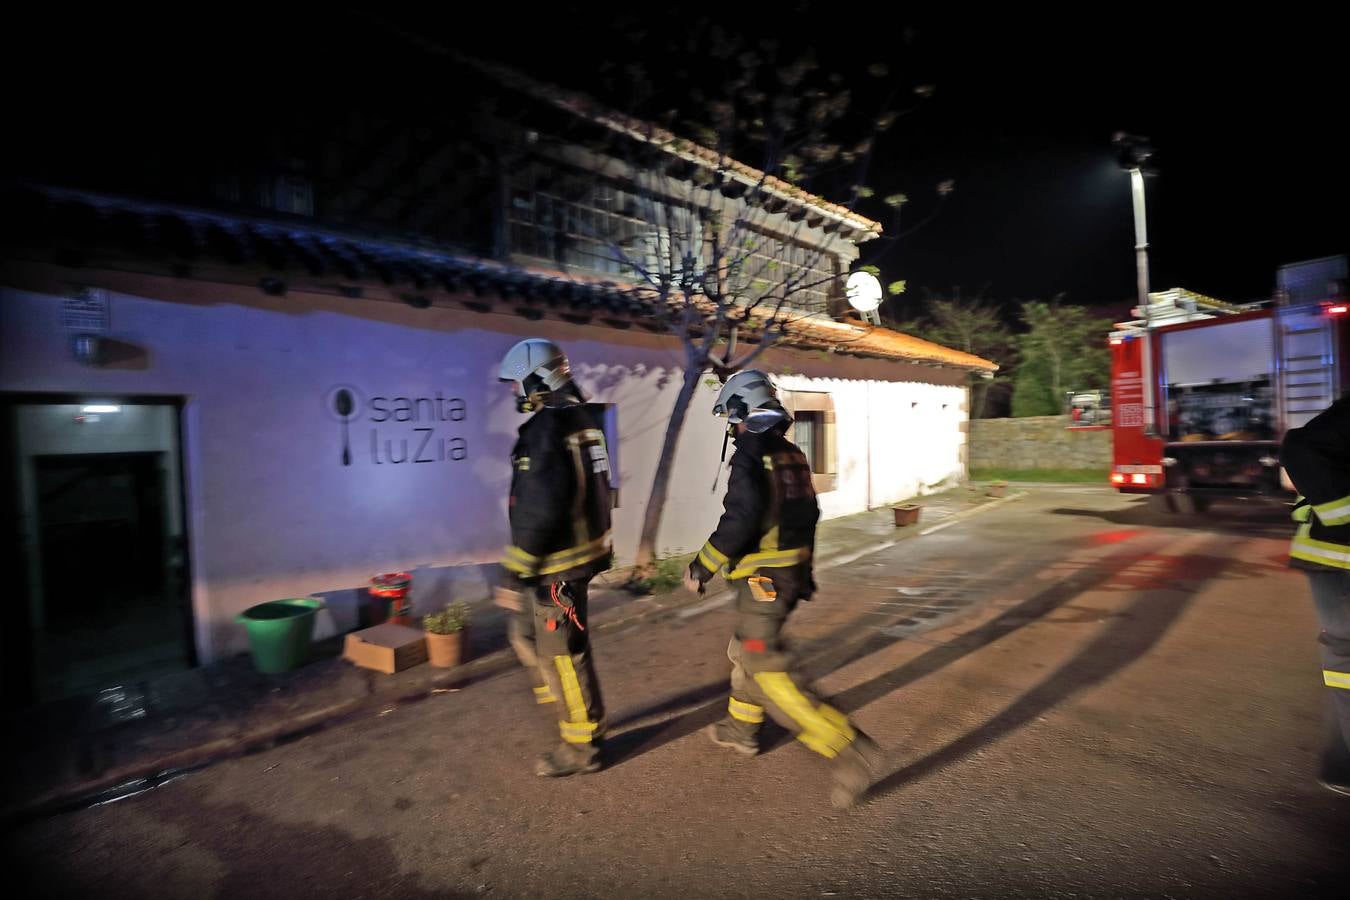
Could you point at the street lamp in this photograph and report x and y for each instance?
(1134, 154)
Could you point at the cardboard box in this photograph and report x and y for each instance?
(386, 648)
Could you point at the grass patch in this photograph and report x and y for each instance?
(1072, 476)
(669, 575)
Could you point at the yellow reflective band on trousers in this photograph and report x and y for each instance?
(575, 556)
(1324, 553)
(578, 729)
(745, 712)
(824, 729)
(1336, 679)
(543, 695)
(577, 732)
(1334, 512)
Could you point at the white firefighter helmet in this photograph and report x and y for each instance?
(749, 397)
(539, 369)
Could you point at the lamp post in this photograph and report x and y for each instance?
(1133, 153)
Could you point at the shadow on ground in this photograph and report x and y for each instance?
(1131, 634)
(709, 699)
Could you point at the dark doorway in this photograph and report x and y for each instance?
(103, 546)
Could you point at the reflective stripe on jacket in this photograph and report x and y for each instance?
(560, 497)
(1317, 460)
(769, 511)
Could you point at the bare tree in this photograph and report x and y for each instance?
(735, 256)
(653, 191)
(976, 327)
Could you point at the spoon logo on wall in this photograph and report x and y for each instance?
(393, 430)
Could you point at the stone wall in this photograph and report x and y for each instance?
(1037, 442)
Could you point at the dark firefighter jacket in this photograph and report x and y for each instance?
(560, 497)
(769, 513)
(1317, 459)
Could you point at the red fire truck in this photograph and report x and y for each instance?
(1204, 390)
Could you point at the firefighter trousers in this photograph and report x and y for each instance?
(761, 679)
(550, 638)
(1331, 596)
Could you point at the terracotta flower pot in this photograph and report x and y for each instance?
(997, 489)
(446, 651)
(906, 515)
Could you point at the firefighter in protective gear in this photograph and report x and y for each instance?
(1317, 459)
(560, 538)
(763, 543)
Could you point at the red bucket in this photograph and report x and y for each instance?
(396, 589)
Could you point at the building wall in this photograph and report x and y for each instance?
(1038, 442)
(275, 511)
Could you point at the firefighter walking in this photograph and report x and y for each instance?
(763, 542)
(560, 538)
(1317, 459)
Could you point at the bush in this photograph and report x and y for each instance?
(455, 617)
(669, 575)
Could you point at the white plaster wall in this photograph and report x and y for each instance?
(894, 439)
(273, 512)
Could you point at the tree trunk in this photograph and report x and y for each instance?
(981, 390)
(1054, 385)
(656, 504)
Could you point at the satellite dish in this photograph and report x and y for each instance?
(864, 294)
(864, 291)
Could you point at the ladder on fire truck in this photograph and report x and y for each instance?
(1177, 305)
(1307, 371)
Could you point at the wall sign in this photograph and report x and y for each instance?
(86, 312)
(384, 429)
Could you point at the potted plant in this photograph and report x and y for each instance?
(906, 514)
(997, 489)
(447, 634)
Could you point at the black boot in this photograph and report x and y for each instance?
(1334, 773)
(734, 734)
(569, 759)
(854, 770)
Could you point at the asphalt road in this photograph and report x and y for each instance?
(1076, 698)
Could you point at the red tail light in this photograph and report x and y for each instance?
(1142, 479)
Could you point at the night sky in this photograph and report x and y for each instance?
(1245, 114)
(1247, 117)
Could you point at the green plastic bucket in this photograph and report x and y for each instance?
(280, 632)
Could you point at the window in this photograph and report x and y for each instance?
(581, 220)
(813, 431)
(285, 193)
(768, 266)
(808, 435)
